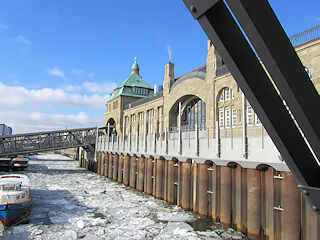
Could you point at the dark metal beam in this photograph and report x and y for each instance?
(267, 36)
(231, 44)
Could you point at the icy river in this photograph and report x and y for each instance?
(73, 203)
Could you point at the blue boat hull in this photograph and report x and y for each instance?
(10, 212)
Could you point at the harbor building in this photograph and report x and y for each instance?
(196, 142)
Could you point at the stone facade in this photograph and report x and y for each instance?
(225, 103)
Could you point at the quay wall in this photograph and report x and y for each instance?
(262, 203)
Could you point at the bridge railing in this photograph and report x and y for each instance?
(46, 141)
(306, 36)
(199, 145)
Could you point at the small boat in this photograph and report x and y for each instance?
(5, 164)
(19, 163)
(15, 196)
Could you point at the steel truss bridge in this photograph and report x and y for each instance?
(11, 145)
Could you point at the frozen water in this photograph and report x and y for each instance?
(73, 203)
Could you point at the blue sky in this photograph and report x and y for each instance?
(59, 60)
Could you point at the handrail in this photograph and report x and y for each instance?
(306, 36)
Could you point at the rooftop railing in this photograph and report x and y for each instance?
(306, 36)
(220, 145)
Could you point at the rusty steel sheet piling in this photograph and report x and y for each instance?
(170, 185)
(290, 202)
(203, 188)
(102, 164)
(115, 167)
(185, 185)
(106, 164)
(110, 165)
(149, 176)
(226, 196)
(99, 164)
(159, 178)
(254, 203)
(126, 170)
(120, 169)
(133, 171)
(140, 181)
(263, 204)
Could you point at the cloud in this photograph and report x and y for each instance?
(169, 52)
(93, 87)
(21, 39)
(4, 26)
(82, 73)
(38, 121)
(24, 96)
(49, 109)
(55, 71)
(73, 88)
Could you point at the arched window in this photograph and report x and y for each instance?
(226, 112)
(194, 113)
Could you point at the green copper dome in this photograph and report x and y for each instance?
(135, 65)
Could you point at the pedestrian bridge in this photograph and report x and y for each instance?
(27, 143)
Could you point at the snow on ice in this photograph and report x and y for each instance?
(73, 203)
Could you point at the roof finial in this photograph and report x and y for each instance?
(135, 67)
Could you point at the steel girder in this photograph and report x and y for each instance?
(45, 141)
(259, 48)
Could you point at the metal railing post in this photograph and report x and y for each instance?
(197, 139)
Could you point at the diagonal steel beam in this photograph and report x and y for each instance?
(231, 44)
(267, 36)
